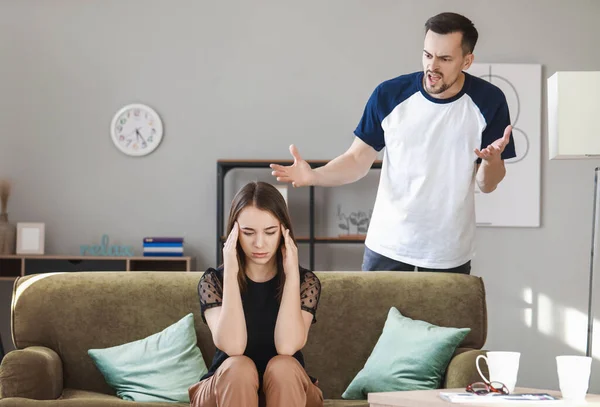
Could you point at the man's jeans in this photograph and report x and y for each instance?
(376, 262)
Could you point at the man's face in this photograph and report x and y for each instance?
(443, 63)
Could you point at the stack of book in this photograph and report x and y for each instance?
(163, 246)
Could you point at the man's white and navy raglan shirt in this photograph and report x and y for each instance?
(424, 212)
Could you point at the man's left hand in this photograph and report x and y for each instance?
(493, 151)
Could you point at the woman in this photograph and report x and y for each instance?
(259, 307)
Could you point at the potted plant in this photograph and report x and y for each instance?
(356, 221)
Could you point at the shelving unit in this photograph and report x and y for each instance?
(224, 166)
(13, 266)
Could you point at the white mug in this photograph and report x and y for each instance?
(503, 367)
(573, 376)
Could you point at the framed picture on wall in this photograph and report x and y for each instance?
(30, 238)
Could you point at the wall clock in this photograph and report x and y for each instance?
(136, 129)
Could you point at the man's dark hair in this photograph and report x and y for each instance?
(447, 23)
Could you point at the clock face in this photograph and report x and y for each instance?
(136, 130)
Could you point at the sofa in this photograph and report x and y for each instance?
(57, 317)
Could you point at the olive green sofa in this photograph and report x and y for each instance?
(57, 317)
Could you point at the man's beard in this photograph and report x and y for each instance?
(443, 86)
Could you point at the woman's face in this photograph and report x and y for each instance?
(260, 235)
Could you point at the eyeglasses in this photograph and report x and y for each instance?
(481, 388)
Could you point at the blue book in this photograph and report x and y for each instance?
(154, 254)
(163, 244)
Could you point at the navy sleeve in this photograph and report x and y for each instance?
(495, 130)
(369, 128)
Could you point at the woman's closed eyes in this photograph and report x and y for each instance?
(269, 231)
(251, 233)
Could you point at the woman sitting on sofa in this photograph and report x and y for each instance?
(259, 306)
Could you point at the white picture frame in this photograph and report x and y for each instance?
(30, 238)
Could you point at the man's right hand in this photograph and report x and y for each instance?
(230, 260)
(300, 174)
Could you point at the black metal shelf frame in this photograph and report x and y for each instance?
(224, 166)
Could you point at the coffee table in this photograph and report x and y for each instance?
(431, 398)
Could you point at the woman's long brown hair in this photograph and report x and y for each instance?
(266, 197)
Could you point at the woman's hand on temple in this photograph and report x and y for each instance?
(230, 260)
(290, 253)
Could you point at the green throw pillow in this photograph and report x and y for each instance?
(409, 355)
(160, 367)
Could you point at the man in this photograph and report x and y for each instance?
(443, 130)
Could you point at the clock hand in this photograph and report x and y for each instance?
(137, 132)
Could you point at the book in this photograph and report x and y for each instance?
(163, 244)
(163, 249)
(158, 254)
(497, 397)
(163, 240)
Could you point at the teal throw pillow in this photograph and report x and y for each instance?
(160, 367)
(409, 355)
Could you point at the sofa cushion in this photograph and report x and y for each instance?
(409, 355)
(160, 367)
(353, 310)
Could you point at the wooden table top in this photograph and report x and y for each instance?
(431, 398)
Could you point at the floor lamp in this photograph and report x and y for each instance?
(574, 133)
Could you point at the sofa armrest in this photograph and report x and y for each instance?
(462, 371)
(35, 373)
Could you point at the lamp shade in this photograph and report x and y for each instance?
(574, 115)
